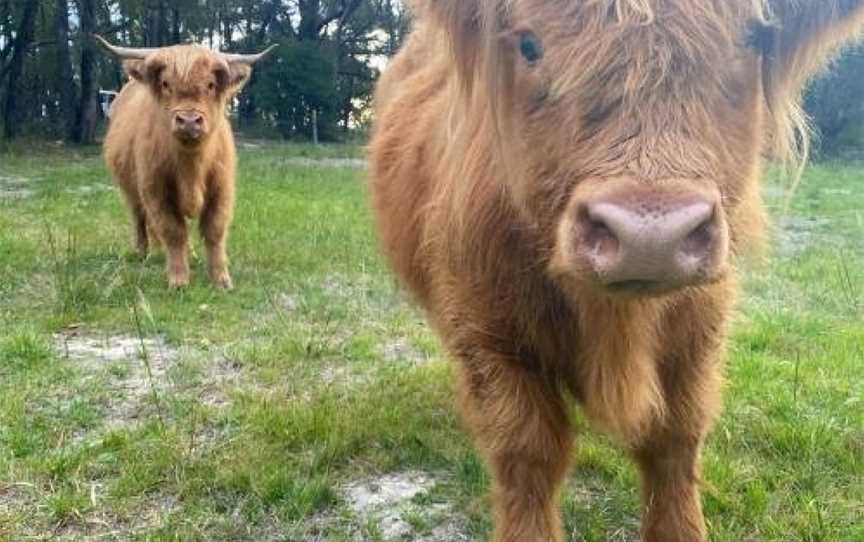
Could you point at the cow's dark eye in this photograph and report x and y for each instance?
(165, 85)
(530, 47)
(211, 85)
(761, 36)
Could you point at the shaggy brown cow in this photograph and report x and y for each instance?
(171, 149)
(562, 184)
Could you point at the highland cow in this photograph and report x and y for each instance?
(564, 185)
(171, 150)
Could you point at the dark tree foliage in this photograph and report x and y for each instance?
(20, 47)
(303, 80)
(330, 51)
(330, 54)
(836, 104)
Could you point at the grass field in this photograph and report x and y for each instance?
(313, 403)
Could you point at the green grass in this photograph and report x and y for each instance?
(253, 410)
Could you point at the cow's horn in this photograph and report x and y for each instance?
(126, 53)
(247, 59)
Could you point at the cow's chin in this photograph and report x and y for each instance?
(190, 142)
(647, 289)
(581, 283)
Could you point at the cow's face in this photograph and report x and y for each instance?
(631, 130)
(193, 85)
(638, 133)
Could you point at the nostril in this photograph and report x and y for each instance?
(187, 120)
(698, 242)
(597, 235)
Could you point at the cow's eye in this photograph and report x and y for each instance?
(530, 47)
(761, 36)
(165, 85)
(211, 85)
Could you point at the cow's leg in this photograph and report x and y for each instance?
(139, 219)
(669, 464)
(520, 424)
(215, 220)
(142, 242)
(668, 455)
(170, 226)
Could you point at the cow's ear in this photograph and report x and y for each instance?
(232, 77)
(146, 71)
(799, 39)
(807, 34)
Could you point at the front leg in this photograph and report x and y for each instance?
(170, 226)
(668, 455)
(669, 464)
(215, 220)
(520, 424)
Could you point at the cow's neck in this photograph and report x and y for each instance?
(192, 168)
(619, 373)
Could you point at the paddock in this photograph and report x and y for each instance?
(313, 402)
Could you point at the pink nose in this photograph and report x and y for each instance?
(639, 244)
(189, 122)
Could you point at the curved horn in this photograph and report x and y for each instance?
(247, 59)
(126, 53)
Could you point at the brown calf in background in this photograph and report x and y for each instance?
(563, 185)
(171, 149)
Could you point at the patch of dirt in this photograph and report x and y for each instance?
(288, 302)
(13, 188)
(137, 374)
(19, 503)
(389, 502)
(88, 189)
(360, 292)
(794, 234)
(219, 374)
(145, 516)
(16, 498)
(775, 193)
(402, 351)
(138, 370)
(338, 375)
(346, 163)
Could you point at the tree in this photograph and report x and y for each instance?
(87, 114)
(23, 40)
(301, 79)
(64, 82)
(51, 71)
(836, 104)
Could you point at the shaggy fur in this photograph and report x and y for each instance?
(479, 160)
(164, 179)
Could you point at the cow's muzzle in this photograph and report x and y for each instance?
(649, 239)
(189, 125)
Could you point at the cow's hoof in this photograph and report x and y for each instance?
(223, 282)
(176, 283)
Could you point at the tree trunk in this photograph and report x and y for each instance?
(6, 35)
(64, 82)
(175, 29)
(23, 39)
(310, 19)
(227, 31)
(88, 107)
(155, 24)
